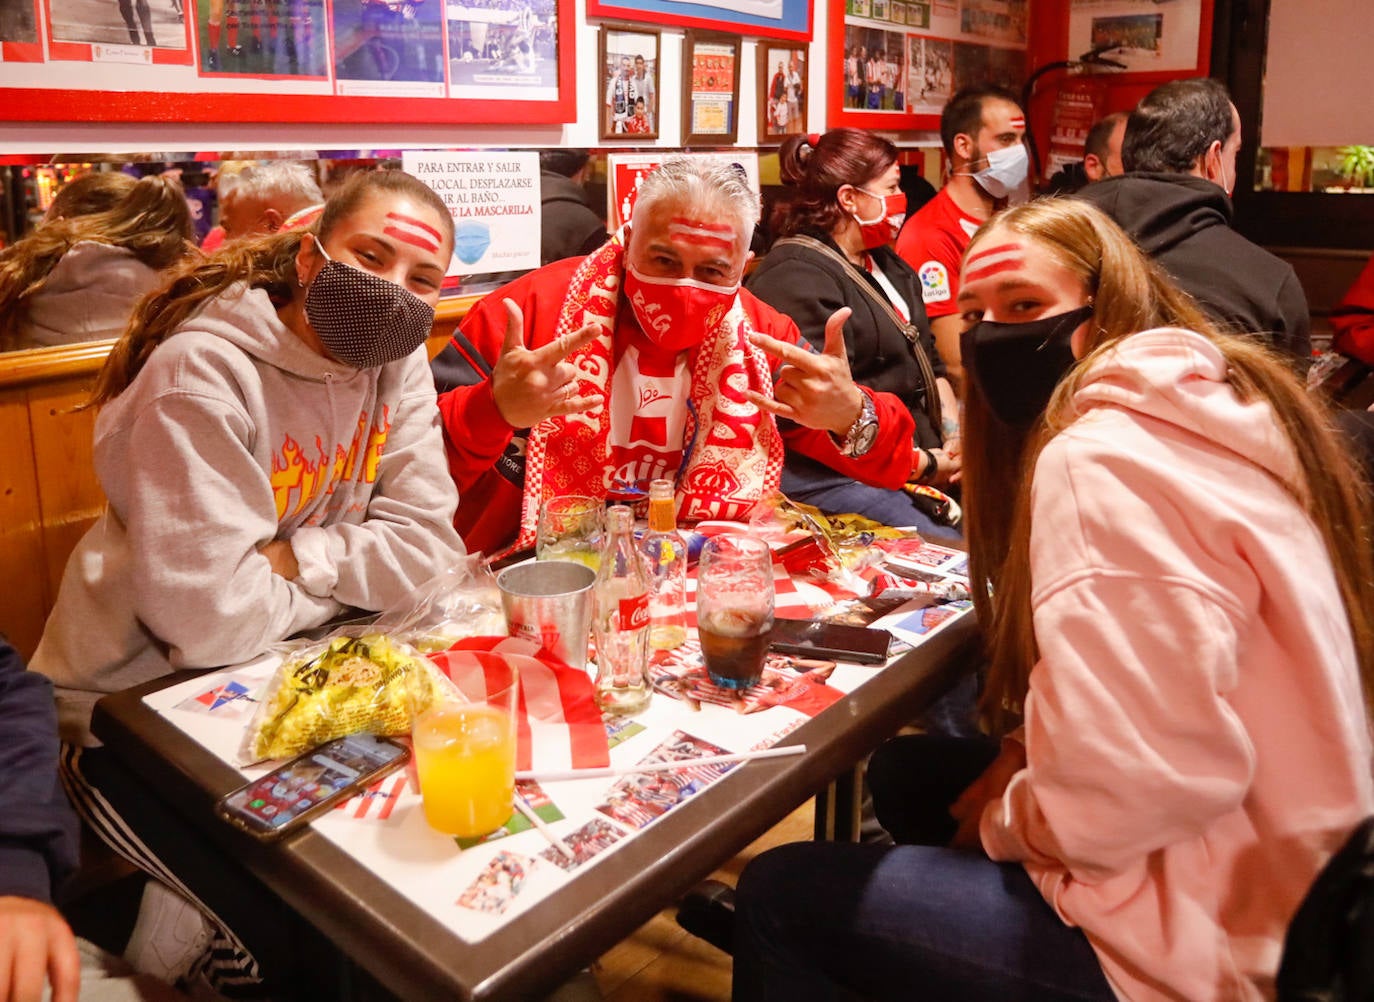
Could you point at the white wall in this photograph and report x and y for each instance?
(25, 137)
(1319, 76)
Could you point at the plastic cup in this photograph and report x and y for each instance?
(550, 602)
(734, 608)
(465, 751)
(570, 528)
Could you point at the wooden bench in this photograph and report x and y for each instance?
(49, 495)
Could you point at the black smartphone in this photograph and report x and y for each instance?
(286, 798)
(863, 645)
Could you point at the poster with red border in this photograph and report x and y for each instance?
(283, 61)
(896, 62)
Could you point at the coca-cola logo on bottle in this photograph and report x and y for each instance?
(634, 611)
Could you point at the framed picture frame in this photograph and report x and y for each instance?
(627, 67)
(781, 90)
(531, 78)
(792, 21)
(710, 88)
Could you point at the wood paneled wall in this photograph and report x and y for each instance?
(49, 495)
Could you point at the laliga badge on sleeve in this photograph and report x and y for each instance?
(934, 282)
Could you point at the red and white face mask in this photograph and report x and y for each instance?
(883, 230)
(677, 313)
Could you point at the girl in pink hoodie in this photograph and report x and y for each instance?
(1173, 565)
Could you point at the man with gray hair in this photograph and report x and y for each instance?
(647, 359)
(1179, 152)
(267, 197)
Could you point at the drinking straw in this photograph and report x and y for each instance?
(544, 829)
(554, 776)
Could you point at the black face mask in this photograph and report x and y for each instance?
(1017, 366)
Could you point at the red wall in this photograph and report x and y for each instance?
(1048, 42)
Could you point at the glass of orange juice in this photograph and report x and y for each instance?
(464, 745)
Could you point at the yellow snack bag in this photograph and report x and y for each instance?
(342, 686)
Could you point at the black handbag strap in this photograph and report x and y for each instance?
(908, 329)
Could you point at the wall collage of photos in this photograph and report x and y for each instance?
(483, 50)
(901, 60)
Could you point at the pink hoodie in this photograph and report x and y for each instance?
(1195, 733)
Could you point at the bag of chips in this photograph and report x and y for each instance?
(339, 686)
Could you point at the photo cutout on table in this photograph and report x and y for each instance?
(628, 77)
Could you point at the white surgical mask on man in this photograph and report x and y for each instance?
(1007, 170)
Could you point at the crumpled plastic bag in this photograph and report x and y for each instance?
(460, 602)
(344, 684)
(841, 547)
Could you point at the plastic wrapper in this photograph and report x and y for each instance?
(841, 547)
(455, 604)
(339, 686)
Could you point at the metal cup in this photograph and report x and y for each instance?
(550, 602)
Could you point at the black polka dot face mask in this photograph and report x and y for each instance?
(362, 319)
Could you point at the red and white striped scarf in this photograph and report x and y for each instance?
(736, 452)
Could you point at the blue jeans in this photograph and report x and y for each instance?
(838, 495)
(828, 920)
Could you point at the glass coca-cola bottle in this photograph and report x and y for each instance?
(666, 553)
(620, 618)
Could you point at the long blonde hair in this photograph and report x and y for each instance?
(267, 263)
(151, 221)
(1130, 294)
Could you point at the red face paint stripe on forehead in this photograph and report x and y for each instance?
(413, 232)
(1018, 123)
(701, 224)
(999, 249)
(417, 223)
(406, 237)
(702, 234)
(992, 268)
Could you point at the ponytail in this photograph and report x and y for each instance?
(267, 262)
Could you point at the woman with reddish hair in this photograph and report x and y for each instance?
(835, 225)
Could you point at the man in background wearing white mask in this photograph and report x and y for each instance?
(1179, 152)
(983, 130)
(646, 359)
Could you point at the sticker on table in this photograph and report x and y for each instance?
(378, 800)
(588, 841)
(927, 620)
(539, 802)
(620, 729)
(641, 797)
(498, 883)
(795, 682)
(225, 696)
(921, 553)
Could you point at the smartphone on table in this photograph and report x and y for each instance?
(281, 801)
(865, 645)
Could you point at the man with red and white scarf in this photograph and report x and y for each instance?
(647, 359)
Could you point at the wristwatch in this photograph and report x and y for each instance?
(863, 432)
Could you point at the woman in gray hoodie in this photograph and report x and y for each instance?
(270, 448)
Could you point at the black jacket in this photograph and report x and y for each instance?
(1184, 223)
(568, 226)
(808, 287)
(38, 832)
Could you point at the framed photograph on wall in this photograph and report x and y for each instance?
(627, 69)
(788, 19)
(781, 90)
(477, 62)
(710, 88)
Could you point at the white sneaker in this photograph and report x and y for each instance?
(169, 934)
